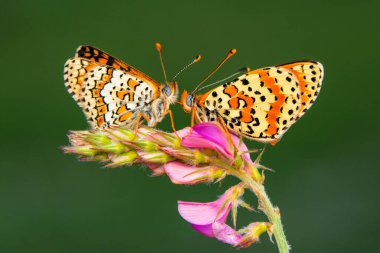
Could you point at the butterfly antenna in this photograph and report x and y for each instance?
(243, 70)
(196, 59)
(229, 54)
(159, 49)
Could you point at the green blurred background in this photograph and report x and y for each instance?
(326, 179)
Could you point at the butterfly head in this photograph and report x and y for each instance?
(187, 101)
(170, 91)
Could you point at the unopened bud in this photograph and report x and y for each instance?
(155, 157)
(97, 139)
(81, 150)
(189, 156)
(123, 134)
(200, 157)
(146, 145)
(116, 148)
(95, 158)
(255, 174)
(123, 159)
(252, 233)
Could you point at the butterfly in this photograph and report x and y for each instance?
(261, 104)
(112, 93)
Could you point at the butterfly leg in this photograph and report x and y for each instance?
(192, 120)
(192, 117)
(251, 151)
(240, 139)
(139, 116)
(172, 122)
(227, 132)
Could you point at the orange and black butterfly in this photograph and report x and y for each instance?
(112, 93)
(260, 104)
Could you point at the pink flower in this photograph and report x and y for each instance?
(208, 135)
(180, 173)
(212, 136)
(226, 234)
(203, 153)
(210, 218)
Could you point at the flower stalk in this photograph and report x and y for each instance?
(203, 155)
(270, 211)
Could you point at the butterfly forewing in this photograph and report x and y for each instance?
(108, 94)
(94, 54)
(264, 103)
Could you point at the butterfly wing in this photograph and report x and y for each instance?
(108, 95)
(96, 55)
(264, 103)
(310, 76)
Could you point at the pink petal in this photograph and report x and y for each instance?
(180, 173)
(183, 132)
(208, 135)
(205, 213)
(204, 229)
(212, 132)
(156, 168)
(225, 233)
(202, 213)
(153, 166)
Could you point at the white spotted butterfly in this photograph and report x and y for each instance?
(260, 104)
(112, 93)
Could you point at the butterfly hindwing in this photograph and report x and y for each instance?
(108, 96)
(310, 76)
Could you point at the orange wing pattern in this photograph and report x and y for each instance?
(96, 55)
(264, 103)
(310, 76)
(110, 92)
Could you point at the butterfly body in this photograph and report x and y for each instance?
(112, 93)
(261, 104)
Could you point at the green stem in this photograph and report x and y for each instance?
(265, 204)
(273, 216)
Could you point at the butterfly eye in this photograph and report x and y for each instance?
(189, 100)
(167, 91)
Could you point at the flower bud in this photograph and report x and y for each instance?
(95, 158)
(255, 174)
(116, 148)
(252, 232)
(189, 156)
(77, 138)
(97, 139)
(164, 139)
(123, 159)
(123, 134)
(155, 157)
(81, 150)
(146, 145)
